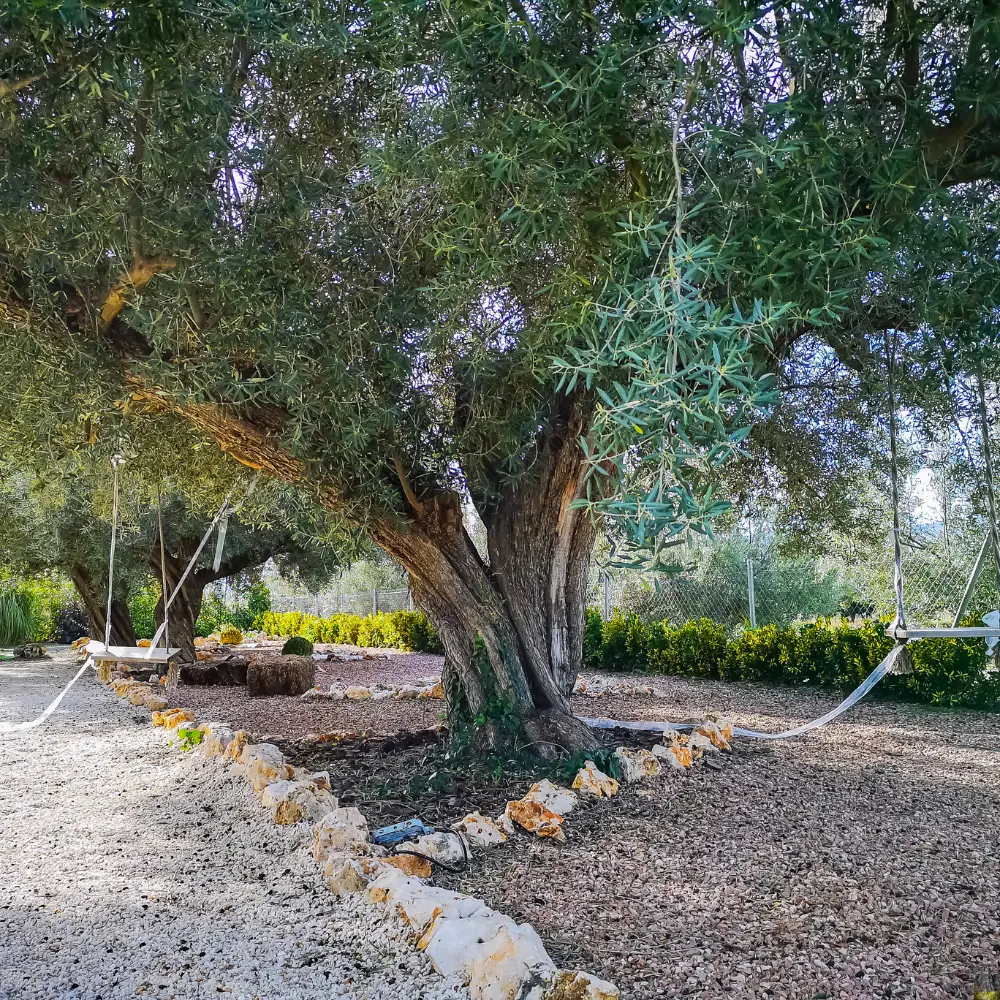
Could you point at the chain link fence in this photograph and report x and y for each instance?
(328, 602)
(737, 582)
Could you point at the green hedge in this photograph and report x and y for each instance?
(948, 672)
(245, 614)
(392, 629)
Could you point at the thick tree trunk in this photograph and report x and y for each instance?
(512, 627)
(186, 606)
(95, 604)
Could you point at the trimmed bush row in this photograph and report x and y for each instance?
(390, 629)
(947, 672)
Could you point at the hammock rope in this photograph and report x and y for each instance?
(887, 666)
(224, 510)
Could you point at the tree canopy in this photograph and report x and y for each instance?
(542, 257)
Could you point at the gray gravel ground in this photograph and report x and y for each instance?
(128, 869)
(859, 862)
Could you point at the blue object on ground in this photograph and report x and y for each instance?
(399, 832)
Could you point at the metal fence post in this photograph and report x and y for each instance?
(750, 593)
(607, 598)
(374, 601)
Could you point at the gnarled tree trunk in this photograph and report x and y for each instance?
(94, 601)
(186, 606)
(512, 625)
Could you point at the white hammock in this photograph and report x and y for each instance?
(885, 667)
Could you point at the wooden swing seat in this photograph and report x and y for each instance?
(131, 654)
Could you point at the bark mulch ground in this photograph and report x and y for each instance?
(281, 718)
(861, 861)
(858, 862)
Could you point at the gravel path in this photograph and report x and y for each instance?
(860, 862)
(131, 870)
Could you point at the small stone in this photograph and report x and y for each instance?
(262, 764)
(591, 780)
(408, 864)
(558, 800)
(293, 801)
(448, 848)
(636, 765)
(535, 818)
(172, 717)
(407, 692)
(580, 986)
(341, 829)
(480, 830)
(235, 747)
(677, 753)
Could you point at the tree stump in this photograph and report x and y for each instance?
(288, 675)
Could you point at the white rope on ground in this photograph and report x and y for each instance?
(20, 727)
(885, 667)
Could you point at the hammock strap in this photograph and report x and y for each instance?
(20, 727)
(885, 667)
(991, 500)
(163, 568)
(116, 461)
(897, 552)
(224, 511)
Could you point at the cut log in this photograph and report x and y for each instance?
(288, 675)
(226, 671)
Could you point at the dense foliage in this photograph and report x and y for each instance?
(243, 611)
(946, 672)
(297, 645)
(540, 258)
(408, 630)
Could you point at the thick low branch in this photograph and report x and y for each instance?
(946, 139)
(10, 87)
(136, 278)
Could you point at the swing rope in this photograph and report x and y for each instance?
(116, 461)
(7, 727)
(224, 511)
(897, 551)
(163, 566)
(20, 727)
(896, 660)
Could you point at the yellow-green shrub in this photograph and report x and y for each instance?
(408, 630)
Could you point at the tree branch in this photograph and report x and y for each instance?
(11, 87)
(411, 497)
(135, 278)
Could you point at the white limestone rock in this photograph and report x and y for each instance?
(341, 829)
(262, 764)
(559, 800)
(448, 848)
(636, 765)
(294, 801)
(480, 830)
(591, 780)
(580, 986)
